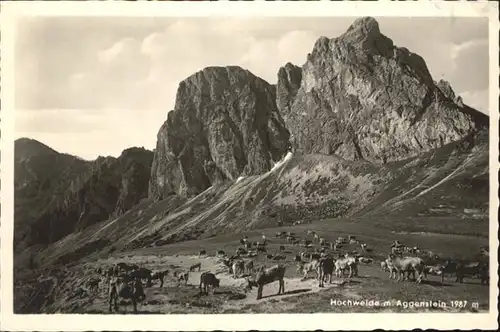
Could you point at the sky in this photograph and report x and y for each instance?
(96, 86)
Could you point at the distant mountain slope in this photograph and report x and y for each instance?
(56, 194)
(41, 176)
(302, 188)
(359, 96)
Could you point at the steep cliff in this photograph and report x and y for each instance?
(361, 97)
(225, 124)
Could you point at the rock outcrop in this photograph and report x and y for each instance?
(289, 78)
(57, 194)
(448, 92)
(225, 124)
(361, 97)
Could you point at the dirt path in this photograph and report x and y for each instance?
(164, 300)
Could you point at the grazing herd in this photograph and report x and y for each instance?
(321, 257)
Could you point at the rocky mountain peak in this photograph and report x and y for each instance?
(225, 124)
(365, 33)
(362, 97)
(445, 87)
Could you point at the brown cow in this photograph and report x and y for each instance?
(208, 279)
(325, 269)
(125, 289)
(267, 276)
(473, 269)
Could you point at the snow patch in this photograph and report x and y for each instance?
(281, 162)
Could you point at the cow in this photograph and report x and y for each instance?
(252, 253)
(240, 251)
(111, 271)
(316, 237)
(238, 267)
(267, 276)
(363, 246)
(208, 279)
(305, 268)
(142, 273)
(346, 264)
(298, 258)
(126, 289)
(325, 269)
(322, 241)
(93, 284)
(383, 266)
(221, 253)
(261, 249)
(448, 267)
(472, 269)
(182, 276)
(202, 253)
(282, 248)
(159, 275)
(195, 266)
(249, 266)
(485, 251)
(400, 265)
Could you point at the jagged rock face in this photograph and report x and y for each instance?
(289, 78)
(136, 165)
(56, 194)
(225, 124)
(360, 97)
(447, 90)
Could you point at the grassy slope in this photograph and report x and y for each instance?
(372, 283)
(401, 196)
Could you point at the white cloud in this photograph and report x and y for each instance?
(117, 51)
(470, 66)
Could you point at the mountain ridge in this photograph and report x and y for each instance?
(53, 190)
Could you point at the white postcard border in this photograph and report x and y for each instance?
(229, 322)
